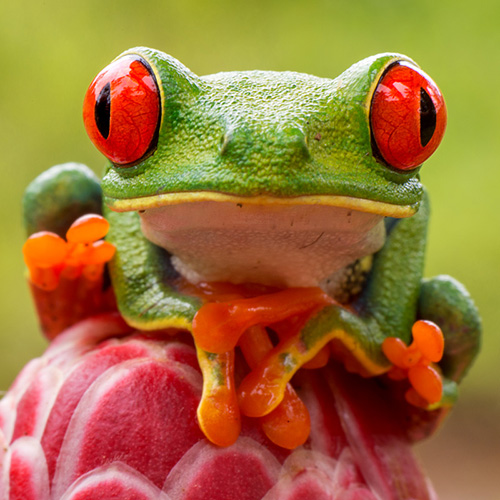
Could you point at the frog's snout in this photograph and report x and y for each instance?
(249, 145)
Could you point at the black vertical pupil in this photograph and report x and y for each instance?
(427, 118)
(102, 110)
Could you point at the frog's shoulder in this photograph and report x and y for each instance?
(58, 196)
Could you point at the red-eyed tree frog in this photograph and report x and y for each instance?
(279, 213)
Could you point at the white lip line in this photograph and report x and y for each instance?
(360, 204)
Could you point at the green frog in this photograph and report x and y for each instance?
(300, 194)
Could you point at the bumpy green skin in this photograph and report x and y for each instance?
(222, 134)
(58, 196)
(447, 303)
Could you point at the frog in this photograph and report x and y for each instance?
(239, 200)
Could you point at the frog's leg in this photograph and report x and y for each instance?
(386, 308)
(289, 424)
(447, 303)
(218, 411)
(229, 319)
(66, 277)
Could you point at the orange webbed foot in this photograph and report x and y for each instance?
(288, 425)
(416, 363)
(218, 326)
(231, 319)
(48, 256)
(66, 276)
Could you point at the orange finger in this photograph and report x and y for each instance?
(88, 228)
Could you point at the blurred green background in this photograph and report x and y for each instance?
(51, 50)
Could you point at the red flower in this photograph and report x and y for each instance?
(110, 413)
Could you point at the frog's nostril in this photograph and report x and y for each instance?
(297, 139)
(224, 142)
(244, 143)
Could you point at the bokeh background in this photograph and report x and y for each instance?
(50, 51)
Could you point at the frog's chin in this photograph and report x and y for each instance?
(279, 245)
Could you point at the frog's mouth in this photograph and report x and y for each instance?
(296, 241)
(359, 204)
(278, 242)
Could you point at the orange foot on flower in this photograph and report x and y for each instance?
(416, 363)
(235, 317)
(66, 277)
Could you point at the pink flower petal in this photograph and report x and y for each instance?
(27, 470)
(36, 403)
(77, 382)
(327, 434)
(84, 336)
(113, 482)
(378, 443)
(243, 471)
(8, 404)
(310, 475)
(112, 415)
(141, 412)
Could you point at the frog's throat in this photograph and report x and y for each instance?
(359, 204)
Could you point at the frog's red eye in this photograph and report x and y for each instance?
(408, 117)
(121, 111)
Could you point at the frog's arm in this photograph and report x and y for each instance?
(390, 296)
(142, 278)
(63, 193)
(441, 299)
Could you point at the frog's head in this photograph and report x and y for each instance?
(275, 161)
